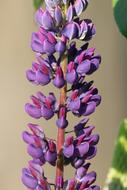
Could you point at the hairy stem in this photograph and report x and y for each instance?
(61, 132)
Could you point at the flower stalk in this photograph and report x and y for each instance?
(61, 131)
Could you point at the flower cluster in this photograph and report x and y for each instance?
(58, 60)
(42, 106)
(83, 147)
(39, 147)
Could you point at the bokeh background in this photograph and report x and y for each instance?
(16, 25)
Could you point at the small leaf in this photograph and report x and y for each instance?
(120, 14)
(37, 3)
(117, 176)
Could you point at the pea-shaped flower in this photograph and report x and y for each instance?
(59, 80)
(42, 106)
(39, 74)
(33, 178)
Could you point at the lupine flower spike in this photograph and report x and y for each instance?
(59, 61)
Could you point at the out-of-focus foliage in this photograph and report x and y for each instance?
(117, 176)
(37, 3)
(120, 14)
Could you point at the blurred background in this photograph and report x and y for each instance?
(16, 18)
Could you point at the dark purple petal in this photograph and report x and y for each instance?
(71, 31)
(91, 30)
(88, 109)
(33, 111)
(84, 67)
(81, 172)
(94, 139)
(74, 105)
(79, 6)
(89, 178)
(34, 151)
(36, 44)
(52, 97)
(62, 123)
(83, 30)
(31, 76)
(91, 153)
(60, 47)
(58, 15)
(95, 63)
(27, 137)
(47, 113)
(88, 130)
(70, 13)
(48, 47)
(68, 151)
(41, 78)
(39, 161)
(96, 98)
(71, 77)
(96, 188)
(81, 125)
(46, 21)
(38, 16)
(59, 81)
(83, 149)
(77, 162)
(28, 180)
(51, 157)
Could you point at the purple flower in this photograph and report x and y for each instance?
(43, 42)
(59, 81)
(84, 63)
(82, 148)
(80, 29)
(44, 19)
(80, 128)
(42, 106)
(71, 30)
(39, 74)
(68, 150)
(39, 147)
(87, 180)
(51, 153)
(60, 47)
(82, 181)
(82, 102)
(71, 75)
(58, 16)
(70, 13)
(33, 177)
(62, 121)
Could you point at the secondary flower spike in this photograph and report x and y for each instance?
(66, 66)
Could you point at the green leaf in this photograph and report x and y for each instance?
(37, 3)
(120, 14)
(117, 176)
